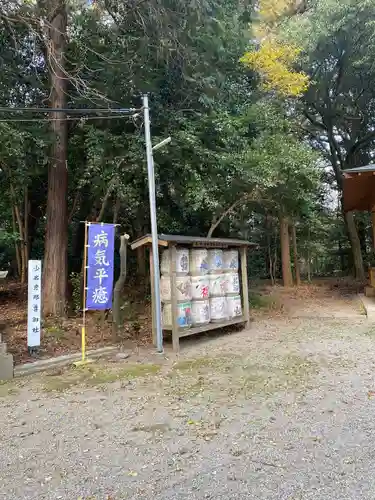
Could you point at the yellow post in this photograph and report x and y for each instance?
(84, 296)
(83, 330)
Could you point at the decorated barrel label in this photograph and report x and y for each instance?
(215, 261)
(198, 262)
(217, 285)
(182, 261)
(232, 283)
(200, 286)
(183, 288)
(234, 306)
(183, 312)
(200, 312)
(218, 309)
(230, 260)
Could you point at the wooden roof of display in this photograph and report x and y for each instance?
(196, 241)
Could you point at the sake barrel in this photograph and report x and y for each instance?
(215, 261)
(200, 286)
(232, 283)
(217, 285)
(234, 306)
(218, 309)
(183, 288)
(198, 260)
(183, 315)
(182, 262)
(200, 312)
(230, 260)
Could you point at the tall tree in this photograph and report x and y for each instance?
(56, 244)
(331, 41)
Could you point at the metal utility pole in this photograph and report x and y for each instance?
(154, 227)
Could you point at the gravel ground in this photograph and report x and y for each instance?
(282, 411)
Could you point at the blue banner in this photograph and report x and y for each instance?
(101, 246)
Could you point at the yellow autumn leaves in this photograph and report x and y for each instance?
(274, 60)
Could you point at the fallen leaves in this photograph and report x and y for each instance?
(64, 336)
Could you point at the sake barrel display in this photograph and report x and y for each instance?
(198, 261)
(215, 261)
(234, 306)
(230, 260)
(183, 288)
(200, 286)
(232, 283)
(218, 309)
(183, 315)
(182, 261)
(200, 312)
(217, 285)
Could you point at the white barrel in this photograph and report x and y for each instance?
(183, 288)
(198, 261)
(218, 309)
(200, 312)
(183, 315)
(215, 261)
(234, 306)
(232, 283)
(200, 287)
(182, 262)
(217, 285)
(230, 260)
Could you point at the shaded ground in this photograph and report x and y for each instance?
(330, 298)
(333, 298)
(282, 411)
(62, 337)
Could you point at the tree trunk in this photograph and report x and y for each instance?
(297, 272)
(269, 261)
(218, 219)
(119, 286)
(355, 245)
(26, 228)
(275, 254)
(116, 210)
(55, 273)
(17, 244)
(105, 200)
(285, 252)
(141, 262)
(22, 243)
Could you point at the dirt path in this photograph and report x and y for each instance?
(318, 300)
(283, 411)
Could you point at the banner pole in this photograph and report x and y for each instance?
(83, 336)
(83, 329)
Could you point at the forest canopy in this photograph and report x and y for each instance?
(267, 104)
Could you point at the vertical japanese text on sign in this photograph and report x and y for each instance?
(34, 303)
(100, 266)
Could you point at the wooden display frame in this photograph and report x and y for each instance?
(172, 241)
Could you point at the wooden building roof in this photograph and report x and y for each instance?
(166, 239)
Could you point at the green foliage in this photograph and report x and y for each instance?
(76, 284)
(229, 143)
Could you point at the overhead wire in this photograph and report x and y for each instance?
(68, 118)
(70, 110)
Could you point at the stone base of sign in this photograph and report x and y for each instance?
(6, 362)
(60, 361)
(6, 366)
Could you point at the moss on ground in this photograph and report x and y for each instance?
(8, 388)
(236, 376)
(259, 301)
(93, 375)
